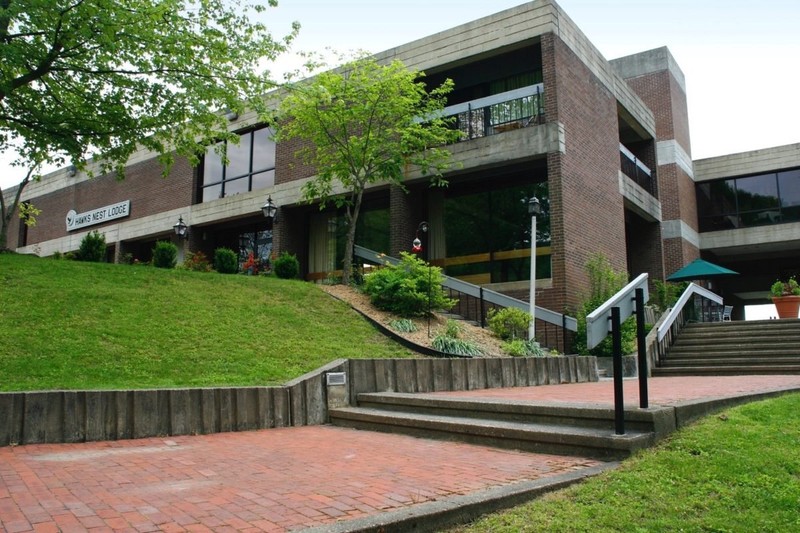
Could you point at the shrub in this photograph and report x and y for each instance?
(446, 344)
(523, 348)
(197, 261)
(93, 247)
(604, 282)
(165, 255)
(666, 294)
(403, 325)
(407, 289)
(509, 323)
(286, 266)
(225, 261)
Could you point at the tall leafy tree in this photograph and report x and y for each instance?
(102, 78)
(361, 124)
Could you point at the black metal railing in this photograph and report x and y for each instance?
(553, 330)
(637, 171)
(498, 113)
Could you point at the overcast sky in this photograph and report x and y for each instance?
(740, 57)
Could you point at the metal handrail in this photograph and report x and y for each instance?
(567, 322)
(675, 312)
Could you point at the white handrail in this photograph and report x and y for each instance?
(597, 322)
(675, 311)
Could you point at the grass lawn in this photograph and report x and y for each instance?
(735, 471)
(73, 325)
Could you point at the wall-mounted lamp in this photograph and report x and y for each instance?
(416, 245)
(270, 211)
(181, 229)
(72, 171)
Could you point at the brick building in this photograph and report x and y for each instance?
(604, 145)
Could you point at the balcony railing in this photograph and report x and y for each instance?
(637, 171)
(498, 113)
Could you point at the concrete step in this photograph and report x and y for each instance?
(539, 438)
(721, 352)
(731, 361)
(546, 428)
(718, 370)
(574, 415)
(734, 348)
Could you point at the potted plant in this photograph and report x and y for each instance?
(786, 297)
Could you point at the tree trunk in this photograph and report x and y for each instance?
(352, 219)
(3, 234)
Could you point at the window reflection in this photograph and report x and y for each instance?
(763, 199)
(488, 235)
(251, 166)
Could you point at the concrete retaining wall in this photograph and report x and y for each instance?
(433, 375)
(78, 416)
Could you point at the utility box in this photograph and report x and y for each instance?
(338, 391)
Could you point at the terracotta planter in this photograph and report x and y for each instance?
(787, 306)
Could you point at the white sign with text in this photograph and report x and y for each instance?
(97, 216)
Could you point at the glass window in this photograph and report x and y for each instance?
(488, 234)
(763, 199)
(212, 165)
(251, 166)
(263, 150)
(238, 158)
(789, 189)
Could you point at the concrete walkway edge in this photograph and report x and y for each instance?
(438, 515)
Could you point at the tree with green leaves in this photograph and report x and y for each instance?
(101, 79)
(361, 124)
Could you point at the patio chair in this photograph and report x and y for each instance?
(726, 313)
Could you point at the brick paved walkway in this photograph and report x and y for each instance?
(272, 480)
(662, 391)
(292, 478)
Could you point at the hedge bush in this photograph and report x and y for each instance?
(406, 288)
(509, 323)
(286, 266)
(165, 255)
(226, 261)
(93, 247)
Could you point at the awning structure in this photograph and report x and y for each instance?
(700, 269)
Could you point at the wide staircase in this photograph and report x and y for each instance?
(734, 348)
(569, 429)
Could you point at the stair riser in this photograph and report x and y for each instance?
(526, 418)
(720, 371)
(529, 443)
(726, 363)
(743, 354)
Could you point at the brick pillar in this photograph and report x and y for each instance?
(406, 211)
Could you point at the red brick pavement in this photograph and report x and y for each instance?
(292, 478)
(662, 391)
(272, 480)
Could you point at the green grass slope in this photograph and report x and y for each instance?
(72, 325)
(734, 471)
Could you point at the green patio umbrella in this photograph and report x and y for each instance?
(699, 269)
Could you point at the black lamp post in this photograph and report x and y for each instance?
(416, 247)
(270, 211)
(181, 229)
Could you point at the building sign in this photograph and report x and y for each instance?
(97, 216)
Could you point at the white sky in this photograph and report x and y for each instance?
(740, 58)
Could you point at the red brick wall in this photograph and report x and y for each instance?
(288, 166)
(667, 99)
(587, 208)
(143, 185)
